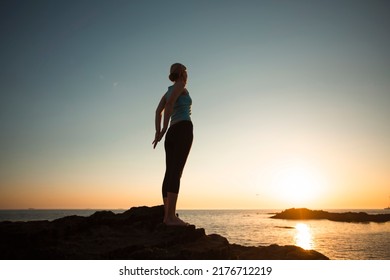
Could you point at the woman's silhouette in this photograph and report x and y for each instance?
(176, 105)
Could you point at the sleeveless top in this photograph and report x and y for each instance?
(182, 106)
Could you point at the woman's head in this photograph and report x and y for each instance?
(178, 71)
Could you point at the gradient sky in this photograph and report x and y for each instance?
(290, 102)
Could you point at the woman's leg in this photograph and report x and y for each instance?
(171, 218)
(178, 143)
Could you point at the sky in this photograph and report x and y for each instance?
(290, 103)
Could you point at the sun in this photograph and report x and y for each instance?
(297, 182)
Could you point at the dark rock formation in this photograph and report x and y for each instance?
(352, 217)
(135, 234)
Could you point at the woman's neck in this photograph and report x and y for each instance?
(181, 81)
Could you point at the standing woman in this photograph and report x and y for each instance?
(176, 105)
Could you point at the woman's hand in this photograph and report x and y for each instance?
(158, 136)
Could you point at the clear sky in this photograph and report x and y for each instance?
(290, 102)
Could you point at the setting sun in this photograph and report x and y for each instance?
(297, 182)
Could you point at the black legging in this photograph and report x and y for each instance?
(177, 144)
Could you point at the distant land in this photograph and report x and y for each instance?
(351, 217)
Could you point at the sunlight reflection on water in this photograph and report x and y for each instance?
(303, 236)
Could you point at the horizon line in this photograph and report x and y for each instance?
(188, 209)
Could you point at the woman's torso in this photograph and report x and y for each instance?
(182, 106)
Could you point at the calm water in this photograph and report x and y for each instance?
(336, 240)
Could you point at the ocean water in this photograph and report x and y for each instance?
(336, 240)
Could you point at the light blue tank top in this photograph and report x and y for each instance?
(182, 106)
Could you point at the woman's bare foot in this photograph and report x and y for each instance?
(175, 221)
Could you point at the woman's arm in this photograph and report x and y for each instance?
(159, 110)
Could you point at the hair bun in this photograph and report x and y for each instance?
(173, 76)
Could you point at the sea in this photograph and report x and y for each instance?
(336, 240)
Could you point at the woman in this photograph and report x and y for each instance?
(176, 105)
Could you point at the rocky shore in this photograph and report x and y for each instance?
(134, 234)
(351, 217)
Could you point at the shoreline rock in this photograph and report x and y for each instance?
(135, 234)
(350, 217)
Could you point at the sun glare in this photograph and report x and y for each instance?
(296, 182)
(303, 236)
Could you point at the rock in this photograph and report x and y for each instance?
(352, 217)
(135, 234)
(275, 252)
